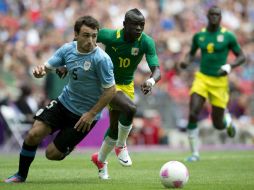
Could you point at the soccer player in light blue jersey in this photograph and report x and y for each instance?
(74, 113)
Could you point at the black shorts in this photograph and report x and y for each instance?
(57, 117)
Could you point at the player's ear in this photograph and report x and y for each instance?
(75, 35)
(220, 17)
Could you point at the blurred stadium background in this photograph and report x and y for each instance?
(30, 30)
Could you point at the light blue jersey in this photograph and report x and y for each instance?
(89, 73)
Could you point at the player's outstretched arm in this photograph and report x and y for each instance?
(226, 69)
(240, 59)
(186, 62)
(146, 87)
(87, 118)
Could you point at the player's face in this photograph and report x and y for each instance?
(214, 16)
(86, 39)
(134, 27)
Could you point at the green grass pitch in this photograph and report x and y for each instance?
(218, 170)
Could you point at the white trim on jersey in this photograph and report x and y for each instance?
(48, 66)
(108, 86)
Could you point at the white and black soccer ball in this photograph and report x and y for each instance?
(174, 174)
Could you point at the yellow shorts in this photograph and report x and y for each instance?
(215, 89)
(127, 89)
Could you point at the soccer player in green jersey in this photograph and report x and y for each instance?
(126, 47)
(211, 81)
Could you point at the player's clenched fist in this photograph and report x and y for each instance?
(146, 87)
(39, 71)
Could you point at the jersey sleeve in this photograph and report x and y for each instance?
(194, 45)
(151, 55)
(105, 72)
(104, 36)
(57, 59)
(233, 44)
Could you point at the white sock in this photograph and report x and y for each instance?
(123, 133)
(194, 141)
(106, 147)
(228, 119)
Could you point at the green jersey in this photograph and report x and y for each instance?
(125, 55)
(215, 47)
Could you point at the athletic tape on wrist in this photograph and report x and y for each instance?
(226, 68)
(152, 81)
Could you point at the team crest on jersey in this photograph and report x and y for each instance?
(134, 51)
(114, 48)
(87, 65)
(202, 38)
(220, 38)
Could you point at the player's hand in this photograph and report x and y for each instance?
(61, 72)
(39, 71)
(146, 87)
(85, 122)
(224, 70)
(222, 73)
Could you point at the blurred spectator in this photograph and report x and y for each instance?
(26, 104)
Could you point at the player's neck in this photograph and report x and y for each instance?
(212, 28)
(128, 39)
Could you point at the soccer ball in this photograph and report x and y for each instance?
(174, 174)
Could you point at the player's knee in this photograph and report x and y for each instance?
(53, 154)
(131, 110)
(32, 138)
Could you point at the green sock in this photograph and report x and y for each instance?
(192, 125)
(124, 121)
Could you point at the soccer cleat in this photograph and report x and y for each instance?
(15, 179)
(192, 158)
(123, 156)
(102, 167)
(231, 129)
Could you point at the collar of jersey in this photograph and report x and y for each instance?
(119, 33)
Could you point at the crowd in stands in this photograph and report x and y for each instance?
(30, 30)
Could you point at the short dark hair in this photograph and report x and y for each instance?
(128, 14)
(213, 7)
(87, 21)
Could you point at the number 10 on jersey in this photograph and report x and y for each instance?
(124, 62)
